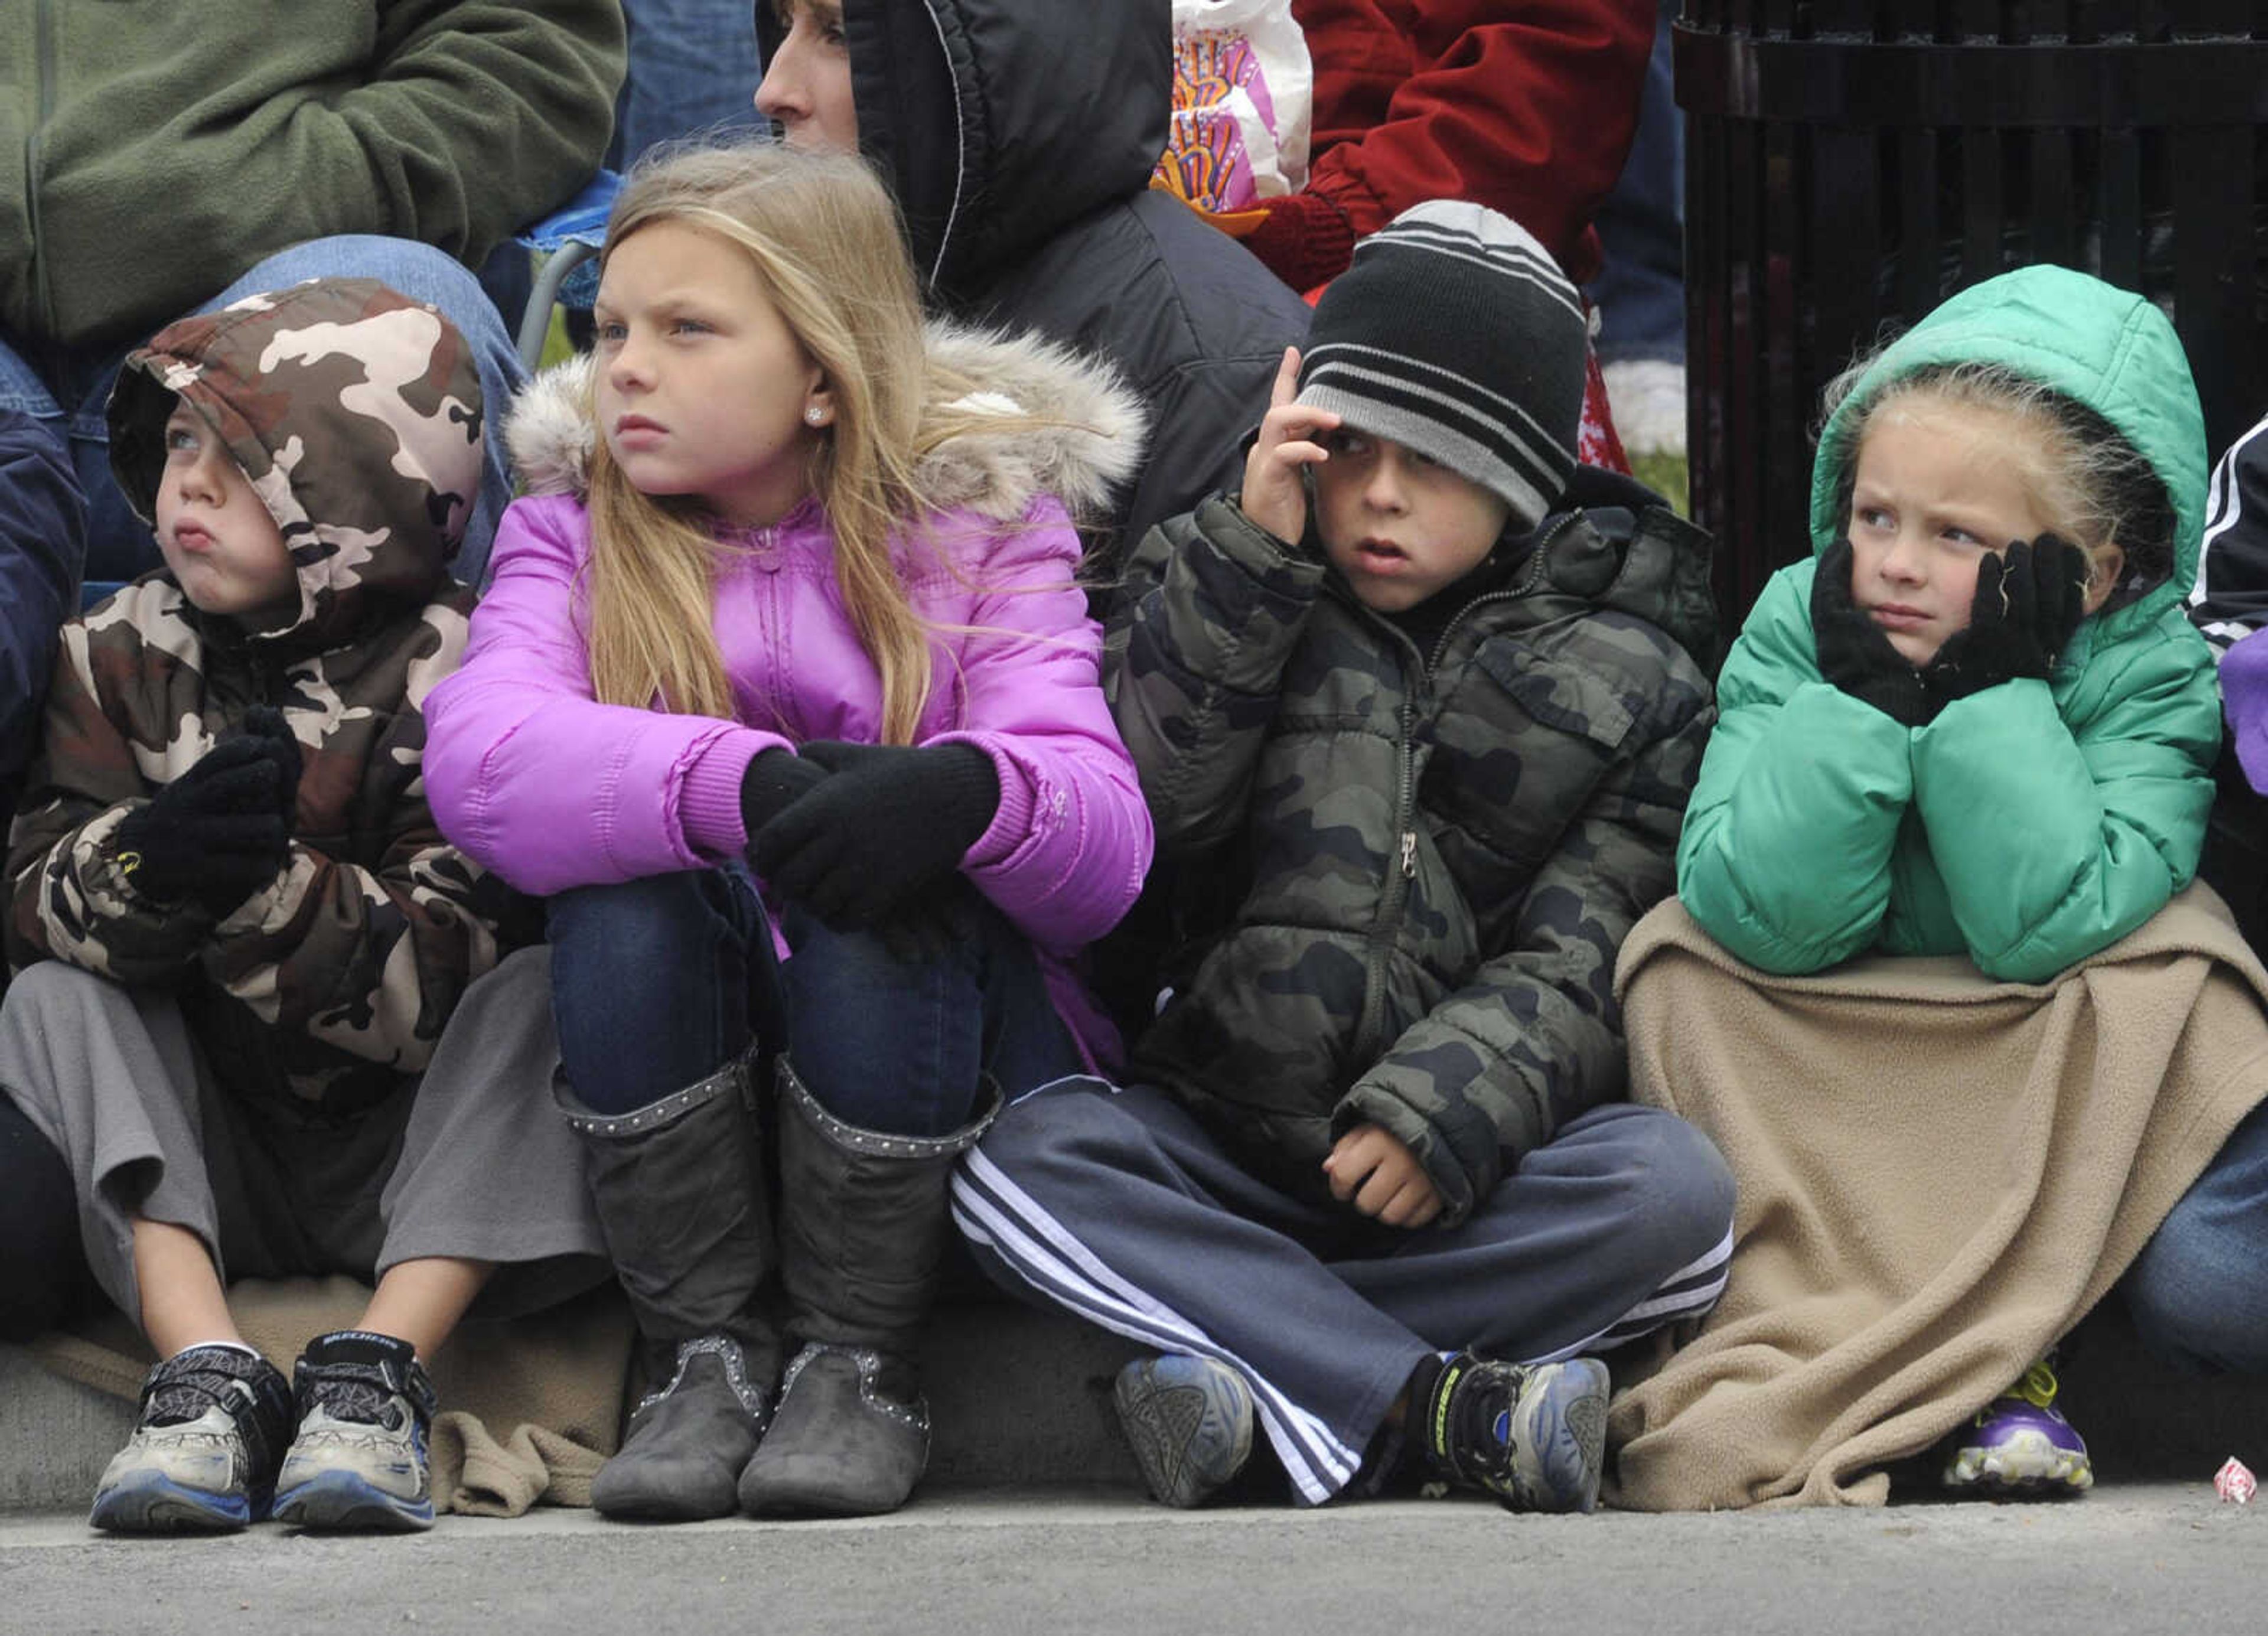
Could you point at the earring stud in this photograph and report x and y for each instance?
(815, 414)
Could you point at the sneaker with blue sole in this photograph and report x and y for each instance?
(1534, 1436)
(1189, 1420)
(202, 1458)
(2020, 1446)
(360, 1460)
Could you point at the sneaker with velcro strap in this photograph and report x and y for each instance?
(360, 1460)
(203, 1456)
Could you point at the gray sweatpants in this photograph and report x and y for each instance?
(471, 1161)
(1120, 1207)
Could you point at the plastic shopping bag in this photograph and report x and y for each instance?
(1243, 95)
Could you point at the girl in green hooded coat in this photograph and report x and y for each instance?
(1977, 721)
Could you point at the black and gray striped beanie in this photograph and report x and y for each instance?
(1455, 334)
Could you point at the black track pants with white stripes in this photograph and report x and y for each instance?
(1118, 1207)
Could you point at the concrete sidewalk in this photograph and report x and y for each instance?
(993, 1543)
(1020, 1397)
(1017, 1397)
(2124, 1559)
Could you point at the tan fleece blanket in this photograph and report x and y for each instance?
(1939, 1175)
(530, 1408)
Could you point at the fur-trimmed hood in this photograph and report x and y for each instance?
(1090, 445)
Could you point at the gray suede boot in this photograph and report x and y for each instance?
(681, 1201)
(863, 1226)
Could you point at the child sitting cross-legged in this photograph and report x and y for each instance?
(237, 934)
(1418, 712)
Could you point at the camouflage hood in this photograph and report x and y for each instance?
(354, 411)
(1089, 444)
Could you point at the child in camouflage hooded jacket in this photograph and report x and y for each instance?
(239, 935)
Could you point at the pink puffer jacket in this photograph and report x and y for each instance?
(551, 789)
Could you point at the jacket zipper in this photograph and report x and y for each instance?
(1395, 894)
(43, 52)
(1368, 1043)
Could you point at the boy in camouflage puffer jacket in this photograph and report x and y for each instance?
(1427, 748)
(238, 934)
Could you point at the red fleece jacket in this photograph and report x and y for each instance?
(1419, 99)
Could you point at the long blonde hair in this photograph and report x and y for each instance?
(824, 239)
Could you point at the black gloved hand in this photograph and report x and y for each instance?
(265, 723)
(2027, 603)
(773, 781)
(889, 822)
(1854, 653)
(929, 924)
(216, 834)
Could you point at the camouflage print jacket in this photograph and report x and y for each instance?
(357, 415)
(1426, 863)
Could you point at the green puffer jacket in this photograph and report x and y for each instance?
(150, 151)
(1420, 874)
(2030, 824)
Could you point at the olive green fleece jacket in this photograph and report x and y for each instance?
(2031, 823)
(152, 150)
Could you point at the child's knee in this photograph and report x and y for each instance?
(1683, 1186)
(1066, 1127)
(51, 1010)
(54, 988)
(2193, 1295)
(631, 924)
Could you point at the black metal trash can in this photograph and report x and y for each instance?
(1848, 164)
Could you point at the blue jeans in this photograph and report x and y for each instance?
(658, 983)
(1640, 291)
(692, 69)
(2199, 1289)
(69, 388)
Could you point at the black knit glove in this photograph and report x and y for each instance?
(891, 822)
(1854, 653)
(773, 781)
(265, 725)
(2027, 603)
(213, 837)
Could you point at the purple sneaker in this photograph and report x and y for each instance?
(2019, 1445)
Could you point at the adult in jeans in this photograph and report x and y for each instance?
(43, 542)
(166, 154)
(42, 539)
(690, 65)
(1017, 137)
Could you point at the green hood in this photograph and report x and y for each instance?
(2109, 349)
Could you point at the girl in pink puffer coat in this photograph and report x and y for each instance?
(785, 696)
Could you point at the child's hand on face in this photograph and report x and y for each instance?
(1853, 654)
(2029, 599)
(1274, 497)
(1372, 1169)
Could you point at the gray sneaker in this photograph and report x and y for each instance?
(1190, 1422)
(204, 1457)
(359, 1461)
(1533, 1434)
